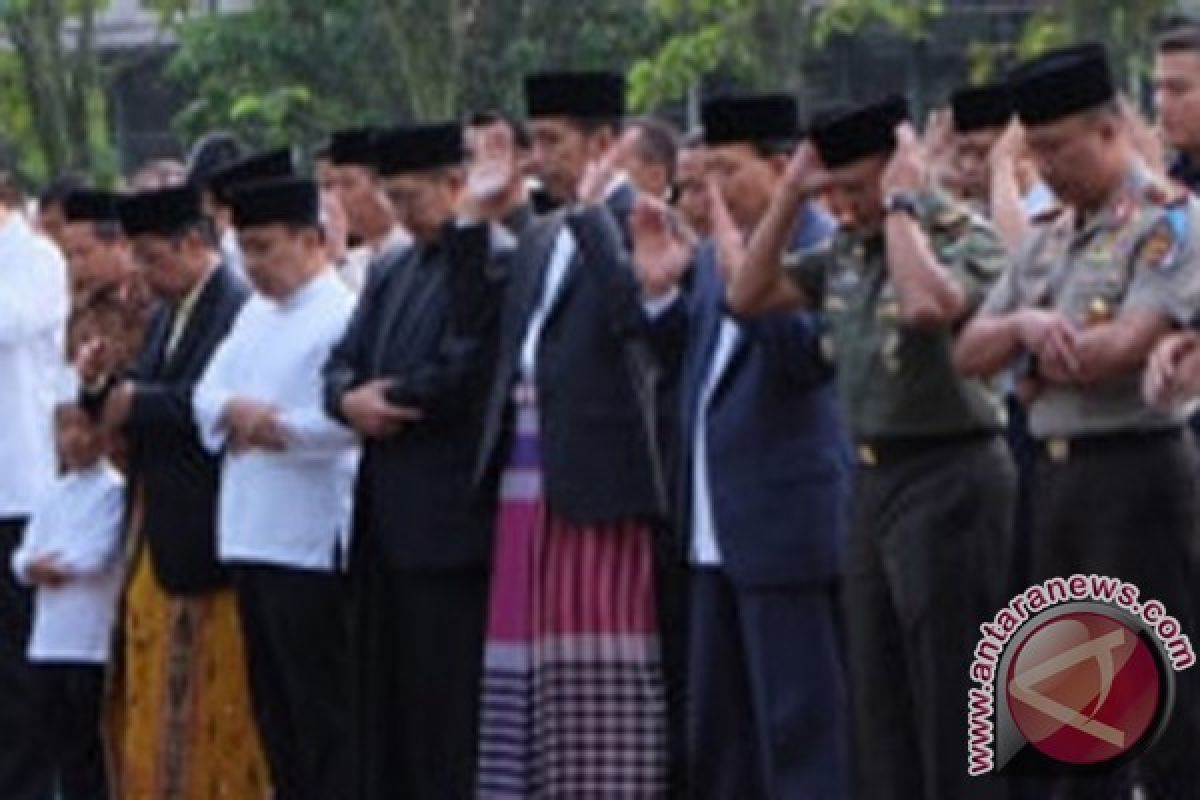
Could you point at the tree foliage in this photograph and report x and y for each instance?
(54, 65)
(291, 68)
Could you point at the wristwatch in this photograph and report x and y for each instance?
(902, 202)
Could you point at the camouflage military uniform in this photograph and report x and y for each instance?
(933, 504)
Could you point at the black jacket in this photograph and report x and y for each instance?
(428, 320)
(595, 381)
(175, 475)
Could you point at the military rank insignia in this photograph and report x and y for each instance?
(1160, 245)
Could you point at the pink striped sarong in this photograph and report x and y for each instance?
(574, 704)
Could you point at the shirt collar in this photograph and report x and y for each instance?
(192, 297)
(13, 228)
(305, 292)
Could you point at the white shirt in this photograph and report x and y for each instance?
(354, 267)
(556, 272)
(704, 549)
(397, 239)
(231, 252)
(289, 508)
(79, 522)
(34, 300)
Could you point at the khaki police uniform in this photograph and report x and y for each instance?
(1114, 490)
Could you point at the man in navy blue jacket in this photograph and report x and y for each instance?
(762, 489)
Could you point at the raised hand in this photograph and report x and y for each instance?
(661, 256)
(939, 144)
(1146, 140)
(727, 238)
(93, 361)
(908, 169)
(600, 173)
(805, 173)
(492, 169)
(1008, 149)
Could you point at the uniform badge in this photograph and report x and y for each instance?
(1099, 311)
(1158, 247)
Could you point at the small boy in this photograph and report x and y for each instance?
(71, 553)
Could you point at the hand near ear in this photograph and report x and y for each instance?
(600, 173)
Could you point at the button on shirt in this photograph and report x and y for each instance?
(288, 508)
(33, 314)
(78, 522)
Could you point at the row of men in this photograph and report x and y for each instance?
(526, 423)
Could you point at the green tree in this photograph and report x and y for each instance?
(290, 69)
(58, 91)
(761, 43)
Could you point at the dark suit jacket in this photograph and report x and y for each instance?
(178, 478)
(428, 320)
(595, 389)
(778, 462)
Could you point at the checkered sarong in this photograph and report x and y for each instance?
(573, 699)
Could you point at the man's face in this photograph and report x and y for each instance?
(278, 257)
(80, 442)
(167, 263)
(1177, 98)
(746, 181)
(424, 201)
(52, 222)
(691, 184)
(560, 155)
(971, 152)
(1074, 156)
(93, 260)
(367, 211)
(859, 196)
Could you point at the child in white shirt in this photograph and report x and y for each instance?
(70, 552)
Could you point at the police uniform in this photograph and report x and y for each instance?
(1115, 490)
(934, 490)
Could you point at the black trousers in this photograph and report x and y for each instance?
(294, 626)
(71, 697)
(1128, 509)
(769, 716)
(927, 564)
(417, 656)
(24, 772)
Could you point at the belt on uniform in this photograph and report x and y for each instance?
(1061, 449)
(885, 450)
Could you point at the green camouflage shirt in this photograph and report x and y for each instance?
(895, 380)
